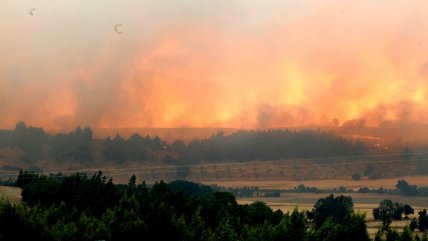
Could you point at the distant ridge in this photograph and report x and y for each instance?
(168, 134)
(399, 133)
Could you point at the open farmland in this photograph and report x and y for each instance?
(388, 183)
(363, 203)
(12, 194)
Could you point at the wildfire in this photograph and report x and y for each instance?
(314, 63)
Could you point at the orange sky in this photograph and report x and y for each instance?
(240, 64)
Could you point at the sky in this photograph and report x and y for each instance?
(224, 63)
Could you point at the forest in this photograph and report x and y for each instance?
(80, 207)
(79, 146)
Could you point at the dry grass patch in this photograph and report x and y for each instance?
(388, 183)
(12, 194)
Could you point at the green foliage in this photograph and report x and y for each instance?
(218, 205)
(292, 227)
(378, 236)
(260, 232)
(226, 232)
(95, 193)
(407, 210)
(424, 236)
(257, 212)
(355, 228)
(392, 235)
(406, 235)
(335, 208)
(352, 228)
(328, 231)
(386, 211)
(423, 220)
(398, 211)
(413, 224)
(82, 208)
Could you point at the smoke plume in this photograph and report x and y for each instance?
(238, 64)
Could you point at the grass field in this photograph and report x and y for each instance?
(323, 184)
(363, 203)
(12, 194)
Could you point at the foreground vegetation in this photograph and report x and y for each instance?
(78, 207)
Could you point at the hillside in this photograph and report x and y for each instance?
(258, 155)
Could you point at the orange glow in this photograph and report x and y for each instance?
(358, 63)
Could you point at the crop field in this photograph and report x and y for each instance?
(388, 183)
(12, 194)
(363, 203)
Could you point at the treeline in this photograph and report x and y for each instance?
(79, 146)
(402, 188)
(248, 191)
(36, 145)
(268, 145)
(78, 207)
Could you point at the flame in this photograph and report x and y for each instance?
(314, 63)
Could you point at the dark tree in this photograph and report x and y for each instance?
(407, 210)
(405, 188)
(257, 212)
(136, 149)
(398, 211)
(335, 208)
(115, 150)
(413, 224)
(423, 220)
(386, 212)
(30, 140)
(310, 215)
(190, 188)
(376, 213)
(178, 146)
(75, 146)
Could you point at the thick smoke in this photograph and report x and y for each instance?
(241, 64)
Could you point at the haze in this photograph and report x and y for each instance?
(235, 64)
